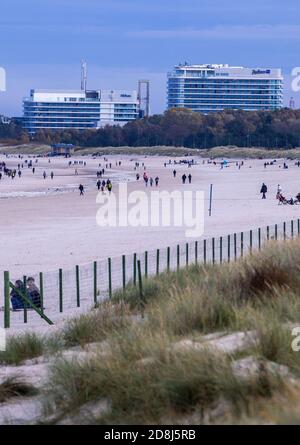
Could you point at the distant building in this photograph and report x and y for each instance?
(5, 119)
(62, 150)
(207, 88)
(60, 110)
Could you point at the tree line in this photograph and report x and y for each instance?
(180, 127)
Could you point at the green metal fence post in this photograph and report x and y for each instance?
(6, 300)
(146, 264)
(242, 244)
(25, 303)
(221, 249)
(284, 230)
(141, 287)
(124, 272)
(234, 247)
(298, 226)
(187, 254)
(95, 282)
(134, 269)
(196, 252)
(213, 250)
(251, 240)
(168, 258)
(42, 291)
(60, 279)
(259, 238)
(78, 286)
(204, 251)
(228, 248)
(268, 233)
(178, 256)
(157, 261)
(292, 229)
(109, 278)
(276, 232)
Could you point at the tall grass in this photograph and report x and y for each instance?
(22, 347)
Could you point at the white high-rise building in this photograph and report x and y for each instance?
(207, 88)
(59, 110)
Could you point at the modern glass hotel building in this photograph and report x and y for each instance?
(207, 88)
(59, 110)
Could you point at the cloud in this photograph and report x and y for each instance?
(261, 32)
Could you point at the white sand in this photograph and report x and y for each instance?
(42, 229)
(43, 232)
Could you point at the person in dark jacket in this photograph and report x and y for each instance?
(263, 190)
(33, 292)
(16, 299)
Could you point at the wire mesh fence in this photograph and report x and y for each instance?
(67, 292)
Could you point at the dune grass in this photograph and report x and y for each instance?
(146, 379)
(14, 387)
(22, 347)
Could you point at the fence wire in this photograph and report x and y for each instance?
(79, 288)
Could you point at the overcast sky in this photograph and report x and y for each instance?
(44, 41)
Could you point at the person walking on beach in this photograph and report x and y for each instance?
(174, 173)
(263, 190)
(19, 173)
(81, 189)
(52, 175)
(33, 170)
(190, 178)
(156, 181)
(98, 184)
(151, 182)
(45, 175)
(109, 187)
(183, 178)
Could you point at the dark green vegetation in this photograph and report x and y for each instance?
(182, 128)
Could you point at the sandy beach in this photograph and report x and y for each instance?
(45, 224)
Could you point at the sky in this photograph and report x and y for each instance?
(44, 41)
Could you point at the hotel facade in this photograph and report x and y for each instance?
(78, 110)
(211, 88)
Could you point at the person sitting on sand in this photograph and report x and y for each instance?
(33, 292)
(16, 299)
